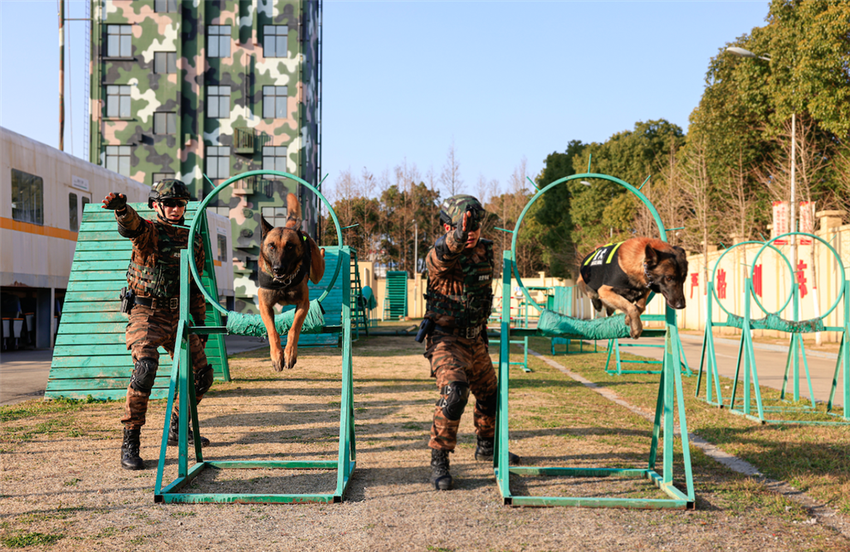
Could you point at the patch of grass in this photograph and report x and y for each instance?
(183, 514)
(106, 533)
(71, 482)
(32, 409)
(23, 540)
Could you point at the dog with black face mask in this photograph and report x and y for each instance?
(288, 259)
(620, 277)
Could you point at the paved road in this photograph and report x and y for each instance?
(23, 374)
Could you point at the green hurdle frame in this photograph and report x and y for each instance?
(182, 385)
(614, 349)
(670, 402)
(743, 406)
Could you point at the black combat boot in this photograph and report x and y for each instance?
(440, 476)
(484, 452)
(174, 433)
(130, 459)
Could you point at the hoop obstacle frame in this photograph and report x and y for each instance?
(746, 352)
(670, 399)
(182, 385)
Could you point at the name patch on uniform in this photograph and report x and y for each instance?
(483, 277)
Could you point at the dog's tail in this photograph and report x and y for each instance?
(293, 208)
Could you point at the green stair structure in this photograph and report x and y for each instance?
(90, 357)
(395, 303)
(360, 314)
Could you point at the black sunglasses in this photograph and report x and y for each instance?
(174, 202)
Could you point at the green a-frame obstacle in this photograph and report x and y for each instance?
(90, 357)
(181, 387)
(670, 396)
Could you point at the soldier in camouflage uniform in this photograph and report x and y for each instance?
(459, 299)
(153, 275)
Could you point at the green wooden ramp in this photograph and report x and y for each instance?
(90, 356)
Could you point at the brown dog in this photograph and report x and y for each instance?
(288, 258)
(621, 275)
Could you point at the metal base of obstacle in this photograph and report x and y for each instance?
(614, 347)
(670, 401)
(182, 386)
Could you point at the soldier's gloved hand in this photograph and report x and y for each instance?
(462, 228)
(115, 201)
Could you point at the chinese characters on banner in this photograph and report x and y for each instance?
(757, 280)
(694, 282)
(721, 284)
(807, 220)
(801, 278)
(780, 221)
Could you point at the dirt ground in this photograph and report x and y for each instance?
(63, 489)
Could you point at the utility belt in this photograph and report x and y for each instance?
(169, 303)
(468, 333)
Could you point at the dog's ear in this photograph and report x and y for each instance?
(650, 256)
(681, 258)
(265, 226)
(317, 261)
(293, 215)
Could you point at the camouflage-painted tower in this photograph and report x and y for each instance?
(183, 88)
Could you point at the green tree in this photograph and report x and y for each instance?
(602, 210)
(553, 212)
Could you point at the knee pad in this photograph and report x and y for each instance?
(454, 399)
(488, 405)
(144, 373)
(204, 379)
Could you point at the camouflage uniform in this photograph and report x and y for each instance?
(458, 358)
(157, 243)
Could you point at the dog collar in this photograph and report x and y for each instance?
(649, 282)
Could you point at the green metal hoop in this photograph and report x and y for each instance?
(236, 178)
(834, 253)
(536, 196)
(717, 264)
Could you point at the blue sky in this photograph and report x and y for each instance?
(402, 81)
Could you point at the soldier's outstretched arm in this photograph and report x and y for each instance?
(130, 224)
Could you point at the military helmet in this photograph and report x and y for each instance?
(167, 189)
(453, 208)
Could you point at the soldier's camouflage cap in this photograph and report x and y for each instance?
(169, 188)
(453, 208)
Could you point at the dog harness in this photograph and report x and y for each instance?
(268, 281)
(602, 268)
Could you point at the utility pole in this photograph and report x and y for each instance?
(61, 75)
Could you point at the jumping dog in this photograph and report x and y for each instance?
(288, 259)
(620, 276)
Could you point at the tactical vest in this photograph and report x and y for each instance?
(162, 279)
(602, 268)
(471, 308)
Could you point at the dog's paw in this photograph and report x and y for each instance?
(289, 364)
(278, 363)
